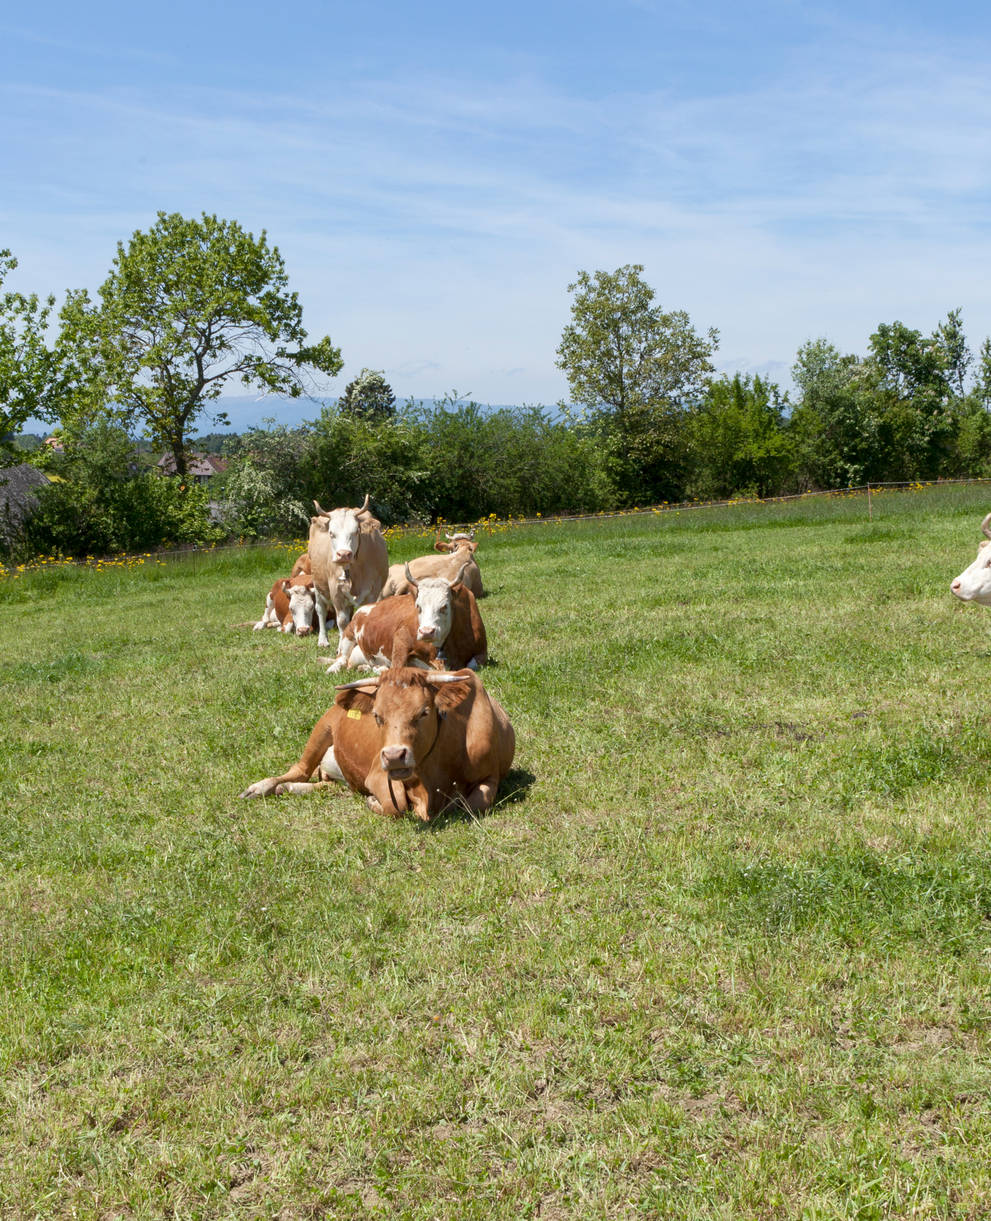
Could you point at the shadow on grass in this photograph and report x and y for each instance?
(513, 789)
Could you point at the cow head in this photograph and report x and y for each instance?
(344, 528)
(434, 606)
(302, 604)
(408, 707)
(456, 541)
(974, 583)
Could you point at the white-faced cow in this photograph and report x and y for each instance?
(974, 583)
(349, 561)
(407, 739)
(439, 612)
(457, 565)
(290, 606)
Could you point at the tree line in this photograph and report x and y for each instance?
(192, 306)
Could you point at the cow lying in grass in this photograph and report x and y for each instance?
(457, 565)
(407, 739)
(441, 612)
(290, 606)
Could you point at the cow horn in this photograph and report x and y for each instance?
(362, 682)
(321, 512)
(409, 577)
(461, 573)
(364, 507)
(434, 677)
(984, 526)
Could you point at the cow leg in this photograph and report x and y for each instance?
(483, 795)
(321, 602)
(318, 752)
(268, 619)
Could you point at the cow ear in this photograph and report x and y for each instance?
(450, 695)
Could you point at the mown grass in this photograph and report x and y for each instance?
(722, 950)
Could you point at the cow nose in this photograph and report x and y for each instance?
(394, 756)
(342, 555)
(955, 587)
(426, 633)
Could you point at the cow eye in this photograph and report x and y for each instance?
(378, 719)
(425, 711)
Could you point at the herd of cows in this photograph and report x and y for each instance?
(422, 732)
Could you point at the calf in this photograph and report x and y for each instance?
(290, 606)
(407, 740)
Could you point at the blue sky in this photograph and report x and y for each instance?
(436, 175)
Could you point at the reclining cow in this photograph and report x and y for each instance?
(407, 739)
(349, 561)
(974, 583)
(290, 606)
(459, 564)
(440, 612)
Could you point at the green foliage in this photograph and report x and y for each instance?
(28, 366)
(369, 395)
(188, 307)
(262, 493)
(637, 371)
(739, 442)
(102, 500)
(348, 456)
(508, 462)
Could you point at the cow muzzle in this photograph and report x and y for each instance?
(397, 761)
(343, 555)
(426, 633)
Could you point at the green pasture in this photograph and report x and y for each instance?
(722, 950)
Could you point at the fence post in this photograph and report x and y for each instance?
(870, 506)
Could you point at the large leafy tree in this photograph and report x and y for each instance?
(189, 307)
(369, 395)
(636, 370)
(28, 366)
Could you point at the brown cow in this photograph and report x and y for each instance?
(290, 606)
(443, 613)
(302, 565)
(454, 541)
(408, 740)
(349, 560)
(457, 565)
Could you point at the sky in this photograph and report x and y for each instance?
(436, 175)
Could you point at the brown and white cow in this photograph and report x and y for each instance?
(407, 739)
(290, 606)
(457, 565)
(349, 561)
(440, 612)
(974, 583)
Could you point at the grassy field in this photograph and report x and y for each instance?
(722, 950)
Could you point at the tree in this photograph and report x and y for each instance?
(740, 443)
(28, 367)
(636, 370)
(369, 395)
(188, 307)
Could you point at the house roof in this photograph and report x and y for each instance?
(200, 466)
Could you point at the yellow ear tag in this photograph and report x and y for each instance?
(354, 714)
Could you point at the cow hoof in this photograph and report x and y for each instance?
(261, 788)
